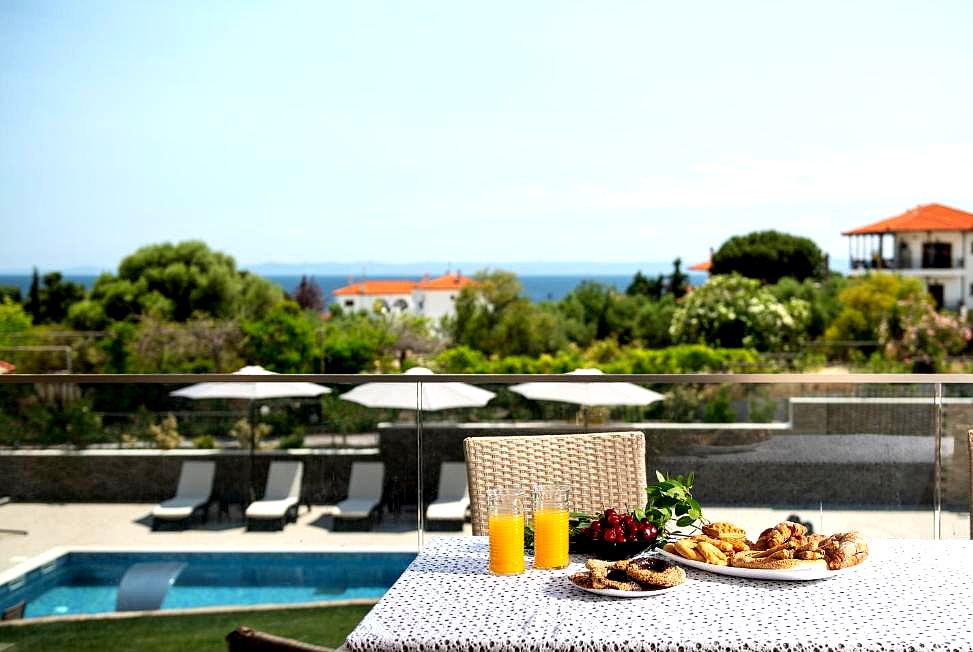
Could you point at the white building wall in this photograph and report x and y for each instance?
(955, 279)
(435, 304)
(366, 302)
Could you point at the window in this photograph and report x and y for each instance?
(349, 303)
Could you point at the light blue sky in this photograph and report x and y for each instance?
(505, 131)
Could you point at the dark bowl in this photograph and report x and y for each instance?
(613, 550)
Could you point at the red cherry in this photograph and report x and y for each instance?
(653, 530)
(610, 512)
(596, 526)
(613, 520)
(609, 535)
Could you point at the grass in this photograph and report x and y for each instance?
(327, 626)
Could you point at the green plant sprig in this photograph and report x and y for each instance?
(671, 498)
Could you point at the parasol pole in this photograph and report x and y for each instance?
(253, 444)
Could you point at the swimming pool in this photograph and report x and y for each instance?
(87, 582)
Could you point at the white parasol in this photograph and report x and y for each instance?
(250, 391)
(588, 394)
(403, 396)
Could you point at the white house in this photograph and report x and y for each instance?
(932, 242)
(436, 297)
(429, 297)
(387, 296)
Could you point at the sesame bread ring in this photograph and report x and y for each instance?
(615, 580)
(582, 579)
(655, 572)
(750, 559)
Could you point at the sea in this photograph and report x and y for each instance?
(536, 288)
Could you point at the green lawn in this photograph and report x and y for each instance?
(327, 626)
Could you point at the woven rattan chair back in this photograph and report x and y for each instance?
(603, 470)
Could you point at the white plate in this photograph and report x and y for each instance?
(794, 575)
(615, 593)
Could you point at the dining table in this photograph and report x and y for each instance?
(909, 595)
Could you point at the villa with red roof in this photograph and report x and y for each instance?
(932, 242)
(428, 297)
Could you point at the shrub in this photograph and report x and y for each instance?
(293, 440)
(247, 435)
(733, 311)
(204, 441)
(165, 435)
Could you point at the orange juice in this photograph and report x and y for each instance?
(550, 538)
(506, 544)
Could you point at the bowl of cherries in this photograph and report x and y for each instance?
(618, 536)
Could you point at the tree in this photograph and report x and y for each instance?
(11, 292)
(57, 296)
(199, 345)
(308, 295)
(821, 296)
(643, 286)
(284, 340)
(13, 318)
(355, 342)
(493, 316)
(769, 256)
(678, 282)
(409, 334)
(870, 300)
(33, 305)
(174, 281)
(732, 311)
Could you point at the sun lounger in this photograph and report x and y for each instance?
(281, 498)
(449, 509)
(364, 496)
(192, 495)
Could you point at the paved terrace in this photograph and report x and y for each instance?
(127, 526)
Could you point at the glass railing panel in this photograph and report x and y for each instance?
(83, 467)
(837, 456)
(956, 461)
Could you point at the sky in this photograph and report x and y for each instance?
(504, 131)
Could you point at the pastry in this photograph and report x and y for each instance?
(844, 550)
(655, 572)
(724, 530)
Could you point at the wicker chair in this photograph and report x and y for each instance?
(603, 470)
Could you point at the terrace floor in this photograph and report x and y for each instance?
(126, 525)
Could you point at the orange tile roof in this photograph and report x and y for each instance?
(446, 282)
(928, 217)
(376, 287)
(701, 267)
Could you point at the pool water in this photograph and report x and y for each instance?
(87, 583)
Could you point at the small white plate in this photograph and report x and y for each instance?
(616, 593)
(794, 575)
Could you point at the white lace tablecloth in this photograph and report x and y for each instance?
(910, 595)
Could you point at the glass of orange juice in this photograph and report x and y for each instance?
(551, 525)
(506, 508)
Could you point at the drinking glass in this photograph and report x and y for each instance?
(551, 525)
(506, 508)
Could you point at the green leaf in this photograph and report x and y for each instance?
(659, 476)
(685, 521)
(681, 509)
